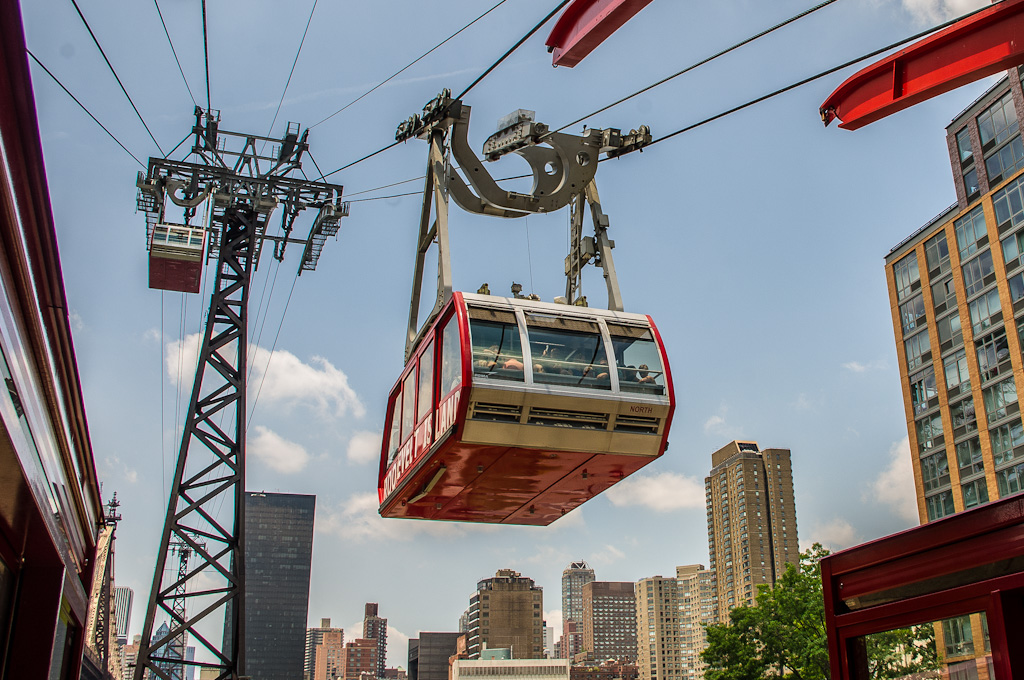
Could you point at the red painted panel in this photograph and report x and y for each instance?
(170, 274)
(984, 44)
(585, 24)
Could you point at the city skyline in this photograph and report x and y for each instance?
(760, 263)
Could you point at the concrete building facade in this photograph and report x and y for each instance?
(503, 669)
(751, 511)
(429, 655)
(376, 628)
(695, 588)
(314, 636)
(507, 611)
(359, 660)
(574, 577)
(328, 655)
(657, 629)
(609, 621)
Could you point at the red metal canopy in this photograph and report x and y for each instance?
(585, 24)
(986, 43)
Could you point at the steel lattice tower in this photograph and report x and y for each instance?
(205, 512)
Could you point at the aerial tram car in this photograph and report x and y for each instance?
(509, 409)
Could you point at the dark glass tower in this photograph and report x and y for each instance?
(278, 554)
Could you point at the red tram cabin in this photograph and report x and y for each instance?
(176, 257)
(516, 411)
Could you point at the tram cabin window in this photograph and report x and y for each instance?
(497, 350)
(408, 404)
(451, 360)
(426, 390)
(638, 359)
(567, 351)
(396, 430)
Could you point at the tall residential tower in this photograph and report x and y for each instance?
(574, 577)
(751, 521)
(375, 628)
(507, 611)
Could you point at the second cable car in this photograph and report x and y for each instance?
(512, 410)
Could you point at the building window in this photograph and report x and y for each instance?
(918, 349)
(983, 309)
(929, 429)
(976, 272)
(1008, 203)
(935, 471)
(949, 331)
(998, 122)
(908, 278)
(922, 390)
(958, 379)
(968, 457)
(970, 232)
(1005, 161)
(999, 399)
(971, 183)
(936, 254)
(1009, 480)
(1004, 439)
(963, 145)
(992, 351)
(939, 505)
(957, 635)
(912, 313)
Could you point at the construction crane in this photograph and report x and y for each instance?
(242, 179)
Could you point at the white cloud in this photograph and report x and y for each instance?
(895, 485)
(280, 379)
(718, 425)
(363, 447)
(549, 554)
(356, 519)
(76, 321)
(607, 555)
(275, 452)
(713, 424)
(835, 534)
(663, 492)
(553, 618)
(935, 11)
(858, 367)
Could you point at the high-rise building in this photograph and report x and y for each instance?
(429, 655)
(695, 588)
(507, 611)
(956, 291)
(657, 629)
(278, 557)
(574, 577)
(329, 655)
(359, 660)
(123, 611)
(609, 621)
(751, 521)
(376, 628)
(315, 636)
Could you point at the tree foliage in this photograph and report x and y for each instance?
(783, 635)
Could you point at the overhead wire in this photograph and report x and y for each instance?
(175, 53)
(116, 77)
(82, 106)
(697, 64)
(809, 79)
(292, 71)
(410, 64)
(206, 58)
(273, 349)
(476, 82)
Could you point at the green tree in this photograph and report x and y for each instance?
(783, 635)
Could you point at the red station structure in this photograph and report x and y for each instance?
(585, 24)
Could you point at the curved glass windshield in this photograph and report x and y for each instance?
(497, 350)
(638, 359)
(451, 361)
(567, 351)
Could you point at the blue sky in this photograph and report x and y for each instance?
(756, 242)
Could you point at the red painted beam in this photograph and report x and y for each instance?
(585, 24)
(988, 42)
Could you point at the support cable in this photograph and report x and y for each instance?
(273, 350)
(292, 71)
(515, 47)
(206, 57)
(812, 78)
(80, 104)
(180, 70)
(111, 67)
(702, 62)
(471, 85)
(410, 64)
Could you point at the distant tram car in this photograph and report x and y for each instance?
(176, 257)
(516, 411)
